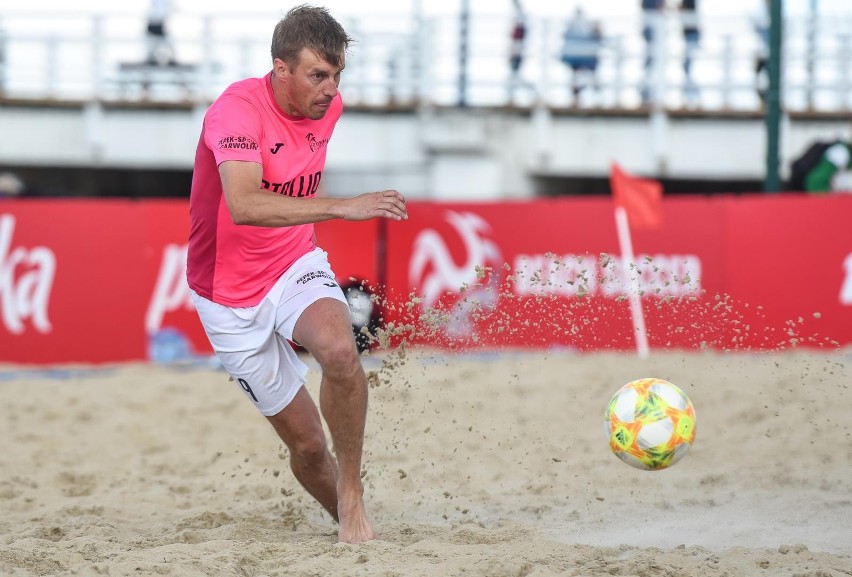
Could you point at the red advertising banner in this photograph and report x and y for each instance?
(74, 285)
(355, 250)
(791, 259)
(726, 273)
(102, 281)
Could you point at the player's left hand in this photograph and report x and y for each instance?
(383, 204)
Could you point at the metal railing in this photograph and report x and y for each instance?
(406, 61)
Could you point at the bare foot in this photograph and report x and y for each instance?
(355, 527)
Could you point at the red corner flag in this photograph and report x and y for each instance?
(641, 198)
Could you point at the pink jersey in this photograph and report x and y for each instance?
(237, 265)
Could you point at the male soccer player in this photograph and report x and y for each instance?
(258, 278)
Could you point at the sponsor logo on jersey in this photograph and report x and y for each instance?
(301, 186)
(315, 144)
(236, 142)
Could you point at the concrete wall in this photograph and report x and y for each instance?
(431, 153)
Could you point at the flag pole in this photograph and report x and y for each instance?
(626, 246)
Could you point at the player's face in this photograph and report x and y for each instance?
(309, 86)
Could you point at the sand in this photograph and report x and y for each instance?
(488, 464)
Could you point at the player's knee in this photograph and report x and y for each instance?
(311, 450)
(339, 359)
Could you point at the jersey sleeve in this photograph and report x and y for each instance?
(233, 130)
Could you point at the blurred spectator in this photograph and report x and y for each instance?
(652, 27)
(761, 23)
(581, 43)
(10, 185)
(691, 39)
(160, 50)
(516, 49)
(832, 171)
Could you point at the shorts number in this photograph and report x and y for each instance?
(247, 388)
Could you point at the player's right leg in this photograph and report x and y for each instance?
(269, 372)
(299, 426)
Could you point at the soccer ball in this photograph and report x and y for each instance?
(650, 424)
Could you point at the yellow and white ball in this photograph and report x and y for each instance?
(650, 424)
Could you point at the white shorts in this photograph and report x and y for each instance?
(252, 342)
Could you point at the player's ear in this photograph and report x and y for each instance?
(280, 68)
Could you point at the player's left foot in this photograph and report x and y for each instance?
(355, 526)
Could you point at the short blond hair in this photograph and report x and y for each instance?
(311, 27)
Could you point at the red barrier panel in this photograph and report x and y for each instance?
(793, 257)
(74, 281)
(727, 273)
(91, 281)
(354, 250)
(167, 302)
